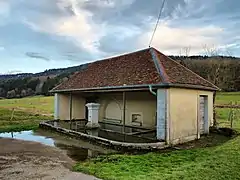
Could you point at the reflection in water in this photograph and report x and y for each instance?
(28, 136)
(93, 132)
(111, 131)
(92, 153)
(76, 149)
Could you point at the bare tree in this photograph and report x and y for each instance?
(184, 52)
(215, 71)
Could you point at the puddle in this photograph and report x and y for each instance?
(76, 149)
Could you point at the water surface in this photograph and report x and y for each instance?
(76, 149)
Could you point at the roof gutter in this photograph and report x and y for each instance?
(106, 88)
(148, 86)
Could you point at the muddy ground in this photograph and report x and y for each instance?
(23, 160)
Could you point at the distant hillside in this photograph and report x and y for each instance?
(28, 84)
(220, 70)
(50, 72)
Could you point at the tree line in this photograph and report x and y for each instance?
(221, 71)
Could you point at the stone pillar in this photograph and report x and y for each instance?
(56, 106)
(162, 115)
(93, 115)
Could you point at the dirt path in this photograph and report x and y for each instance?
(25, 160)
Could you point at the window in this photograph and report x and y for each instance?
(136, 119)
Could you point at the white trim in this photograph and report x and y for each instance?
(206, 120)
(206, 115)
(162, 114)
(168, 121)
(56, 106)
(198, 117)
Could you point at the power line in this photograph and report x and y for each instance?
(159, 16)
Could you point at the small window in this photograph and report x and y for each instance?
(136, 117)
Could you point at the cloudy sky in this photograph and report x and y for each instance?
(44, 34)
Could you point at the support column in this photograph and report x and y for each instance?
(70, 110)
(162, 115)
(93, 115)
(70, 106)
(56, 106)
(124, 111)
(206, 116)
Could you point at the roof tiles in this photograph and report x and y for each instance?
(137, 68)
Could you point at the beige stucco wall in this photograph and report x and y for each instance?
(183, 113)
(111, 106)
(63, 106)
(78, 107)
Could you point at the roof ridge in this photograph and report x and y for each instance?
(119, 55)
(159, 66)
(188, 69)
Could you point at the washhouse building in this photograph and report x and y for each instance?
(140, 89)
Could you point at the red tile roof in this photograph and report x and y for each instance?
(145, 67)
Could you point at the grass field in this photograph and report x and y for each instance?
(223, 113)
(35, 105)
(211, 163)
(227, 97)
(218, 162)
(20, 121)
(28, 112)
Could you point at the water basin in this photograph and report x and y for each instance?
(111, 131)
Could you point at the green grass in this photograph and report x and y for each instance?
(223, 118)
(223, 113)
(227, 97)
(219, 162)
(20, 121)
(36, 105)
(212, 163)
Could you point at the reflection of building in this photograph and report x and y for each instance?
(92, 153)
(141, 89)
(76, 153)
(93, 132)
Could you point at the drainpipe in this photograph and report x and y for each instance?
(155, 94)
(151, 90)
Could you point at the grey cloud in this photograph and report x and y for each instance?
(33, 8)
(112, 44)
(133, 13)
(36, 56)
(126, 13)
(13, 72)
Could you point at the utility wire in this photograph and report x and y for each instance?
(159, 16)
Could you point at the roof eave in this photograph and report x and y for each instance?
(163, 85)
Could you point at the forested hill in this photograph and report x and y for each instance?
(220, 70)
(50, 72)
